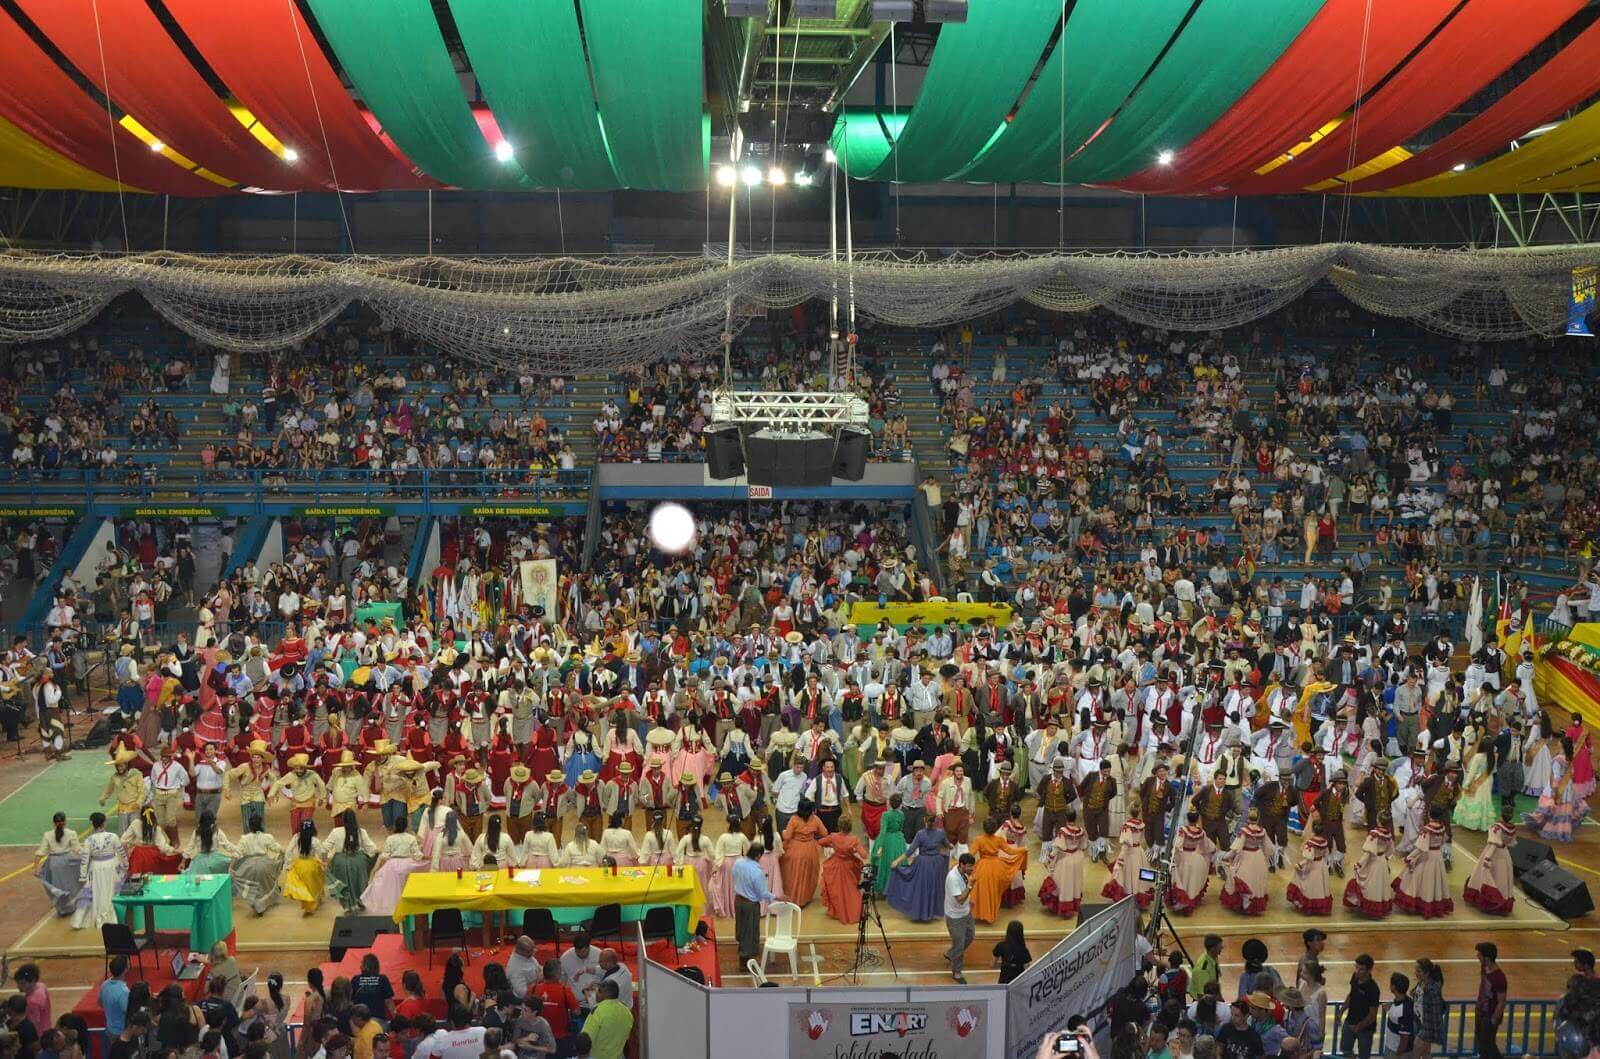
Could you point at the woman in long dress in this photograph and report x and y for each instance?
(889, 845)
(802, 857)
(1245, 891)
(539, 846)
(104, 866)
(1062, 890)
(149, 850)
(581, 852)
(841, 873)
(1014, 831)
(1475, 808)
(1422, 888)
(771, 861)
(208, 851)
(304, 883)
(1537, 760)
(998, 861)
(1308, 888)
(401, 855)
(617, 842)
(696, 851)
(1582, 759)
(1132, 859)
(916, 887)
(1191, 866)
(256, 868)
(452, 847)
(1488, 889)
(1369, 890)
(494, 848)
(729, 847)
(432, 821)
(60, 855)
(658, 845)
(1559, 812)
(348, 851)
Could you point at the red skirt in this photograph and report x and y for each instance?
(1241, 900)
(149, 860)
(1355, 900)
(1418, 907)
(1488, 899)
(1183, 903)
(1050, 898)
(871, 817)
(1113, 891)
(1311, 906)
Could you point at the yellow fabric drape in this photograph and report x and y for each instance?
(27, 163)
(1570, 144)
(1302, 711)
(1371, 167)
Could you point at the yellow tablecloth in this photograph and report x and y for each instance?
(427, 891)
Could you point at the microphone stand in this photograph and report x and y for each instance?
(1159, 917)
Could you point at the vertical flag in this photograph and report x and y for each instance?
(1584, 279)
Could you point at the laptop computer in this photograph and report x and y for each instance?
(185, 969)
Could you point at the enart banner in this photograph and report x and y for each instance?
(1076, 977)
(1582, 301)
(955, 1030)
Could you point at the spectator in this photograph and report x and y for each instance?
(522, 968)
(557, 1002)
(1360, 1011)
(609, 1024)
(38, 997)
(1237, 1039)
(580, 969)
(461, 1040)
(372, 988)
(1490, 1009)
(114, 996)
(1399, 1020)
(614, 970)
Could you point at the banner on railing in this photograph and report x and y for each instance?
(514, 510)
(866, 615)
(173, 511)
(50, 511)
(1076, 977)
(344, 511)
(1581, 304)
(952, 1030)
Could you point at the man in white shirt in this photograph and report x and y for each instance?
(787, 790)
(522, 968)
(208, 777)
(461, 1041)
(168, 781)
(955, 805)
(958, 913)
(828, 792)
(580, 969)
(614, 970)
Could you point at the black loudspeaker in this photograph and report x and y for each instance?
(1527, 855)
(1087, 911)
(784, 459)
(357, 932)
(723, 452)
(850, 458)
(1558, 890)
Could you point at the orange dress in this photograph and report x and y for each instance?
(841, 877)
(998, 861)
(801, 862)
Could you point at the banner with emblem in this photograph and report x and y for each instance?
(905, 615)
(540, 585)
(956, 1029)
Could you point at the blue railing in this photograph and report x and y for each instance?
(97, 634)
(1528, 1028)
(336, 484)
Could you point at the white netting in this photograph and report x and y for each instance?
(566, 314)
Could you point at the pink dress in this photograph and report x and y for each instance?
(1191, 869)
(1582, 762)
(1132, 858)
(774, 873)
(401, 858)
(719, 894)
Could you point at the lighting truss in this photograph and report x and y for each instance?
(789, 411)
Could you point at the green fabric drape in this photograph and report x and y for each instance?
(393, 52)
(529, 61)
(1226, 46)
(1109, 44)
(979, 69)
(647, 57)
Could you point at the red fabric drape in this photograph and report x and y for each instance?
(151, 80)
(1558, 86)
(42, 101)
(1313, 80)
(252, 46)
(1478, 45)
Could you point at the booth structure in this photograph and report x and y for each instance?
(685, 1020)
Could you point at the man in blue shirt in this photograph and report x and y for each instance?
(114, 997)
(749, 891)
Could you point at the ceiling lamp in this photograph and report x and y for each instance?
(777, 177)
(726, 176)
(1164, 158)
(752, 176)
(504, 152)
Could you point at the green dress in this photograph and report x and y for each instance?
(208, 863)
(888, 847)
(347, 878)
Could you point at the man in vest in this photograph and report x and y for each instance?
(168, 782)
(752, 797)
(955, 805)
(1331, 805)
(1056, 795)
(829, 792)
(1003, 792)
(1096, 793)
(914, 788)
(523, 799)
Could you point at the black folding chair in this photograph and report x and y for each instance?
(661, 923)
(446, 925)
(120, 940)
(540, 925)
(607, 923)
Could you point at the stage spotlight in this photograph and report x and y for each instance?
(156, 146)
(672, 528)
(829, 157)
(752, 176)
(802, 180)
(504, 151)
(726, 176)
(1164, 158)
(291, 155)
(777, 177)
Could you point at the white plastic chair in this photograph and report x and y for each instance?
(245, 989)
(783, 924)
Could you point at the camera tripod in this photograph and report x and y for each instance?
(864, 956)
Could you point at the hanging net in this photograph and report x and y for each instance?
(567, 315)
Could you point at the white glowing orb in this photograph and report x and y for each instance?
(671, 528)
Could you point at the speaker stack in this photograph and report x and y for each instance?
(811, 458)
(1547, 883)
(357, 932)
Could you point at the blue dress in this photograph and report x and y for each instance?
(580, 762)
(917, 888)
